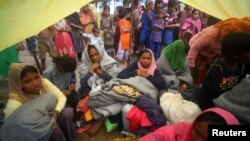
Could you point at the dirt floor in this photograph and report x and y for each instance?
(101, 135)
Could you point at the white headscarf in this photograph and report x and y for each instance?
(107, 64)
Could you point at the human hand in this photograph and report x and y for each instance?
(55, 116)
(183, 86)
(98, 71)
(93, 67)
(66, 92)
(142, 73)
(72, 87)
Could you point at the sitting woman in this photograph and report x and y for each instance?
(174, 66)
(144, 67)
(97, 68)
(25, 84)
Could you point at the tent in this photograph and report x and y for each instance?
(222, 9)
(21, 19)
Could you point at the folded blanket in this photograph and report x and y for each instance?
(106, 96)
(32, 121)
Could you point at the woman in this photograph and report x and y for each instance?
(97, 68)
(205, 46)
(25, 84)
(144, 67)
(198, 130)
(226, 72)
(173, 64)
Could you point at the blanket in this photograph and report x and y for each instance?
(32, 121)
(106, 96)
(237, 101)
(173, 78)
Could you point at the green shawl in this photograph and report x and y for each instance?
(175, 54)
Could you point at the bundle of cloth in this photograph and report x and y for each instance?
(177, 109)
(108, 102)
(32, 121)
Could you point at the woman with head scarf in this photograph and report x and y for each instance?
(144, 67)
(97, 68)
(25, 84)
(198, 130)
(174, 66)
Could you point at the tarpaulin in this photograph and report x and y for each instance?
(20, 19)
(222, 9)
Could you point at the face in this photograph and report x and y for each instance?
(116, 12)
(94, 55)
(145, 59)
(151, 6)
(160, 15)
(97, 33)
(106, 12)
(159, 5)
(200, 131)
(85, 8)
(196, 15)
(31, 83)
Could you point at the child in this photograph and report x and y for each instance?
(106, 26)
(125, 30)
(191, 24)
(62, 74)
(170, 25)
(45, 44)
(94, 37)
(146, 25)
(118, 10)
(156, 33)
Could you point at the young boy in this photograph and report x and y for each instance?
(62, 74)
(95, 38)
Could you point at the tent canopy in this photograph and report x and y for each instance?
(21, 19)
(222, 9)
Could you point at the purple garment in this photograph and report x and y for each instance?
(156, 34)
(66, 124)
(152, 109)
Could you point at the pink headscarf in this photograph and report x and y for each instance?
(182, 131)
(227, 116)
(151, 69)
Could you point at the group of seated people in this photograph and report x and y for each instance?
(105, 89)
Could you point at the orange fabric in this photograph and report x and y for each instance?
(86, 20)
(233, 25)
(125, 36)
